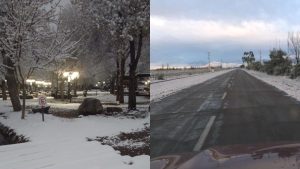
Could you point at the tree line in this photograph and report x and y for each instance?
(280, 62)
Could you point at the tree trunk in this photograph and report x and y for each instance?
(57, 85)
(62, 86)
(112, 84)
(118, 81)
(121, 80)
(132, 79)
(4, 96)
(52, 82)
(12, 84)
(24, 99)
(134, 59)
(75, 87)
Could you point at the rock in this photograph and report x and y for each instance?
(90, 106)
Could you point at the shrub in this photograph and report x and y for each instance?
(278, 65)
(295, 71)
(257, 66)
(277, 70)
(65, 113)
(161, 77)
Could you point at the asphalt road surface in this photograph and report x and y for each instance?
(233, 108)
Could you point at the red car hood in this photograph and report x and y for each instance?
(262, 156)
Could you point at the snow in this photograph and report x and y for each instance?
(224, 65)
(167, 78)
(155, 66)
(284, 83)
(60, 143)
(105, 97)
(162, 89)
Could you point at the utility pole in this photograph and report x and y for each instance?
(260, 55)
(209, 61)
(221, 62)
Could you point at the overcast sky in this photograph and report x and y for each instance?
(182, 32)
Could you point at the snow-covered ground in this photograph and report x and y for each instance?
(172, 78)
(61, 143)
(106, 99)
(284, 83)
(165, 88)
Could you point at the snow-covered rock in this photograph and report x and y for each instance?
(90, 106)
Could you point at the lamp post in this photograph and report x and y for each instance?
(71, 76)
(98, 84)
(96, 88)
(103, 85)
(30, 81)
(69, 90)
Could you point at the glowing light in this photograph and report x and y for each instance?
(71, 75)
(42, 83)
(30, 80)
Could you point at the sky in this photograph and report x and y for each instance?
(183, 32)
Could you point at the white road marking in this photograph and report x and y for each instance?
(224, 95)
(204, 134)
(205, 103)
(178, 110)
(229, 85)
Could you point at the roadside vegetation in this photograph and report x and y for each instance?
(285, 63)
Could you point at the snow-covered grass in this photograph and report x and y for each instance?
(105, 97)
(172, 78)
(61, 143)
(165, 88)
(284, 83)
(169, 74)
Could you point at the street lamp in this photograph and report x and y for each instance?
(98, 84)
(30, 81)
(71, 76)
(96, 88)
(103, 85)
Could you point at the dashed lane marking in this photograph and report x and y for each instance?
(204, 134)
(224, 95)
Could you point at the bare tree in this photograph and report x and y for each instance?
(3, 72)
(294, 45)
(29, 41)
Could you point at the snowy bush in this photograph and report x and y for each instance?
(161, 77)
(295, 71)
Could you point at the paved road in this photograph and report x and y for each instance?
(246, 111)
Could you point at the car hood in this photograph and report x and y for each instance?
(259, 156)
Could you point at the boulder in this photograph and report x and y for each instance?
(90, 106)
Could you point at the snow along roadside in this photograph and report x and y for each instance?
(166, 88)
(284, 83)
